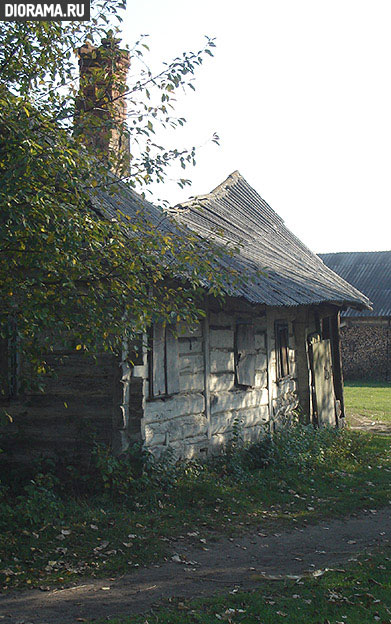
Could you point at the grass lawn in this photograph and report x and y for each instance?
(48, 539)
(357, 594)
(372, 399)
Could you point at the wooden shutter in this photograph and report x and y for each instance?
(158, 360)
(245, 355)
(172, 361)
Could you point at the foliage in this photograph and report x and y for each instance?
(135, 471)
(114, 474)
(239, 459)
(123, 477)
(97, 530)
(69, 274)
(37, 502)
(301, 446)
(308, 447)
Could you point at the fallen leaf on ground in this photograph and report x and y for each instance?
(176, 559)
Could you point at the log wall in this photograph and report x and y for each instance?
(231, 404)
(75, 408)
(200, 419)
(110, 400)
(283, 393)
(179, 421)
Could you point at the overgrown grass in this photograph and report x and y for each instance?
(358, 594)
(372, 399)
(48, 537)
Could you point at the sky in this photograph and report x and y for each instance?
(299, 92)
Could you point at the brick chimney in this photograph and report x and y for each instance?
(100, 107)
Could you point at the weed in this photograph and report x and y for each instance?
(37, 505)
(129, 506)
(307, 447)
(300, 446)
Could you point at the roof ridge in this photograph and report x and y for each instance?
(335, 253)
(234, 211)
(231, 179)
(294, 275)
(216, 192)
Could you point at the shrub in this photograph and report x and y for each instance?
(301, 446)
(124, 478)
(115, 475)
(307, 447)
(136, 470)
(37, 505)
(240, 459)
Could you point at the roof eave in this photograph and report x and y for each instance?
(358, 306)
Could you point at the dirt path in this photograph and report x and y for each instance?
(357, 422)
(215, 566)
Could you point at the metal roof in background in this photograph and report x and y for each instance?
(370, 272)
(235, 213)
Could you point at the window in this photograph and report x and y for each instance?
(244, 354)
(135, 351)
(282, 349)
(325, 325)
(163, 361)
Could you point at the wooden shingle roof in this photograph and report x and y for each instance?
(292, 275)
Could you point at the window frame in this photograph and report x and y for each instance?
(281, 328)
(169, 380)
(244, 347)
